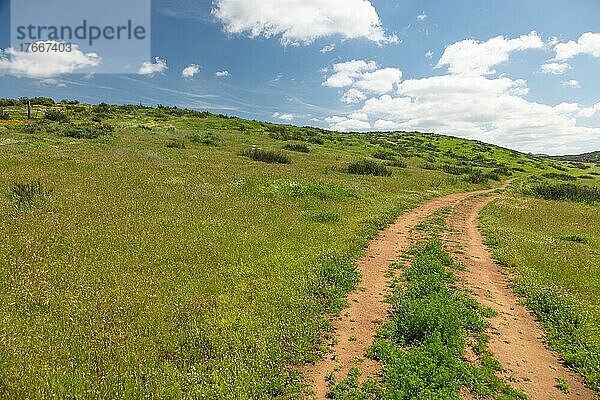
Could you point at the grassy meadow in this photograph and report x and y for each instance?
(166, 253)
(553, 249)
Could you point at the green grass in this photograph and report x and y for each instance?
(191, 272)
(553, 248)
(421, 349)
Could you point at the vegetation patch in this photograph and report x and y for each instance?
(208, 139)
(267, 156)
(297, 147)
(566, 191)
(27, 194)
(325, 217)
(55, 115)
(368, 167)
(421, 349)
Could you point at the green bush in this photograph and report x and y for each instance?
(208, 139)
(477, 177)
(566, 191)
(325, 217)
(398, 164)
(384, 155)
(27, 194)
(267, 156)
(176, 144)
(55, 115)
(4, 115)
(561, 177)
(86, 131)
(368, 167)
(297, 147)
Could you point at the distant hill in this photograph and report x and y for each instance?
(593, 157)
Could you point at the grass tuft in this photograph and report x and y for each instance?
(267, 156)
(368, 167)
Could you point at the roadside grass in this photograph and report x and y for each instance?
(422, 348)
(553, 250)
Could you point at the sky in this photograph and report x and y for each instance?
(520, 74)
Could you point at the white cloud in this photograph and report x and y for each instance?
(590, 111)
(45, 65)
(222, 74)
(429, 54)
(422, 17)
(472, 105)
(159, 66)
(302, 21)
(363, 76)
(353, 96)
(328, 48)
(588, 43)
(190, 71)
(344, 74)
(475, 57)
(344, 124)
(283, 117)
(555, 68)
(385, 125)
(380, 81)
(571, 83)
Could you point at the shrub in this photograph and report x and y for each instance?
(476, 177)
(208, 139)
(297, 147)
(384, 155)
(86, 131)
(566, 191)
(561, 177)
(27, 194)
(67, 101)
(398, 164)
(325, 217)
(9, 102)
(4, 115)
(176, 144)
(55, 115)
(368, 167)
(267, 156)
(42, 101)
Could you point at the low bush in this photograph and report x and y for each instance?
(477, 177)
(325, 217)
(560, 177)
(384, 155)
(4, 115)
(398, 164)
(86, 131)
(55, 115)
(368, 167)
(176, 144)
(566, 191)
(27, 194)
(297, 147)
(267, 156)
(208, 139)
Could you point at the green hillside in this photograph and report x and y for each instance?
(172, 253)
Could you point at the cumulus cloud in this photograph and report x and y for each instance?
(190, 71)
(283, 117)
(466, 102)
(344, 124)
(571, 83)
(45, 65)
(353, 96)
(159, 66)
(344, 74)
(222, 74)
(588, 43)
(364, 76)
(422, 17)
(475, 57)
(302, 21)
(555, 68)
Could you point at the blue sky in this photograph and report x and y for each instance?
(359, 65)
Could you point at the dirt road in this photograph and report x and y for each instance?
(516, 341)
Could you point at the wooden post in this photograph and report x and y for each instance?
(28, 109)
